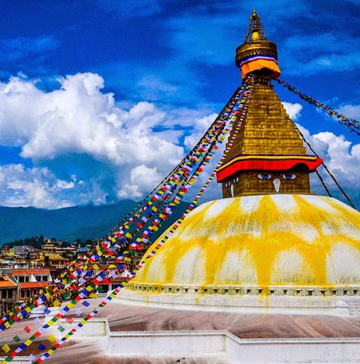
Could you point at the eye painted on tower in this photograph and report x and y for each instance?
(288, 176)
(264, 176)
(236, 180)
(227, 184)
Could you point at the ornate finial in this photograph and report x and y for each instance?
(257, 30)
(257, 53)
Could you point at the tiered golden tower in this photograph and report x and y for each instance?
(268, 155)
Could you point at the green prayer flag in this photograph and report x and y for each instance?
(16, 339)
(61, 329)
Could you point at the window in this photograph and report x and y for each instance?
(21, 279)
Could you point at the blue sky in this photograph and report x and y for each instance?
(82, 80)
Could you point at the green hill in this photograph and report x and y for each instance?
(83, 222)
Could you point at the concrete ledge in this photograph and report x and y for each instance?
(218, 344)
(168, 343)
(17, 360)
(96, 327)
(204, 344)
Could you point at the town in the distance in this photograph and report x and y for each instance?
(27, 268)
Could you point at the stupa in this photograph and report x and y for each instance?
(268, 246)
(269, 243)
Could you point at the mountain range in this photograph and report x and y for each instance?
(68, 224)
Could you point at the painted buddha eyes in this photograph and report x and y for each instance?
(264, 176)
(288, 176)
(285, 176)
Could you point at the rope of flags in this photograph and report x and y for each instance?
(103, 275)
(238, 115)
(352, 124)
(102, 248)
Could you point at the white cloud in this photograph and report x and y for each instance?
(200, 125)
(36, 187)
(341, 156)
(142, 180)
(293, 110)
(352, 111)
(137, 145)
(79, 118)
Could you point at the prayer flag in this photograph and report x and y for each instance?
(6, 348)
(52, 338)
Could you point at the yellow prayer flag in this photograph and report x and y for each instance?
(52, 338)
(6, 348)
(57, 303)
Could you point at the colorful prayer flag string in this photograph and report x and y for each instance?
(175, 226)
(352, 124)
(101, 249)
(109, 297)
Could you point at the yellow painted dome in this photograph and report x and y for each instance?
(269, 240)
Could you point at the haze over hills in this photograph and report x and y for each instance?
(83, 222)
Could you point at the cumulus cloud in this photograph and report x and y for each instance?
(352, 111)
(341, 156)
(293, 110)
(36, 187)
(79, 118)
(138, 145)
(201, 125)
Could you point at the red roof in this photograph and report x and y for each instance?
(24, 272)
(6, 282)
(33, 285)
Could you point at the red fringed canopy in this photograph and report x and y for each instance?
(267, 163)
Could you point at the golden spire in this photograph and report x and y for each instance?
(268, 155)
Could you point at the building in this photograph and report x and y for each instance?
(8, 291)
(30, 281)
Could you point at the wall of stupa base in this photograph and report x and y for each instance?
(246, 290)
(245, 184)
(263, 304)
